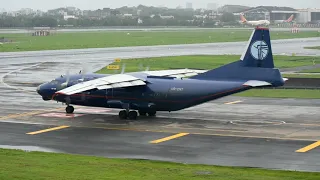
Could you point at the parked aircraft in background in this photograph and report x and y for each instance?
(284, 21)
(254, 23)
(150, 91)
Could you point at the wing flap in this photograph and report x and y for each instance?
(104, 87)
(138, 83)
(176, 72)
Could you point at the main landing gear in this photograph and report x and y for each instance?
(124, 114)
(69, 109)
(132, 115)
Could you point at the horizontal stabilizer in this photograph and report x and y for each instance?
(255, 83)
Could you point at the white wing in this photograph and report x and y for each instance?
(113, 81)
(176, 72)
(124, 80)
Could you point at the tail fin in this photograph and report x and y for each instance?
(258, 51)
(256, 63)
(243, 19)
(290, 18)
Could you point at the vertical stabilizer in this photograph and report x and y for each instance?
(255, 64)
(290, 18)
(258, 52)
(243, 19)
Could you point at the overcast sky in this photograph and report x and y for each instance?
(13, 5)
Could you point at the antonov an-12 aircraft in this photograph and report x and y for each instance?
(150, 91)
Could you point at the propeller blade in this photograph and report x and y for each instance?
(67, 76)
(65, 84)
(123, 68)
(83, 72)
(140, 67)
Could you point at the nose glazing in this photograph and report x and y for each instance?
(38, 89)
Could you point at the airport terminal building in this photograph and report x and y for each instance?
(274, 14)
(308, 15)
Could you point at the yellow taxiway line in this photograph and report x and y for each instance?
(47, 130)
(309, 147)
(168, 138)
(233, 102)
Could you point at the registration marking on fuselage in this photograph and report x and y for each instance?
(168, 138)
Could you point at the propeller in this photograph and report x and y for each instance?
(147, 68)
(83, 73)
(65, 84)
(141, 67)
(123, 68)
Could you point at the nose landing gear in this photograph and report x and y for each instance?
(69, 109)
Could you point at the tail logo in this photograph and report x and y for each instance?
(259, 50)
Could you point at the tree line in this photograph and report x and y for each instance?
(112, 20)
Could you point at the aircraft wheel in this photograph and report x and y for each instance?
(69, 109)
(123, 114)
(152, 113)
(142, 113)
(132, 115)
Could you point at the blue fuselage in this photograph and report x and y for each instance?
(163, 94)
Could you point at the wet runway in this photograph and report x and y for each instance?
(233, 131)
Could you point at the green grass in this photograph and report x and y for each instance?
(79, 40)
(316, 70)
(15, 164)
(301, 75)
(315, 47)
(203, 62)
(281, 93)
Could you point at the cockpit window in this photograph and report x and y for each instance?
(54, 82)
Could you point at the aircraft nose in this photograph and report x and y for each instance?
(43, 91)
(39, 89)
